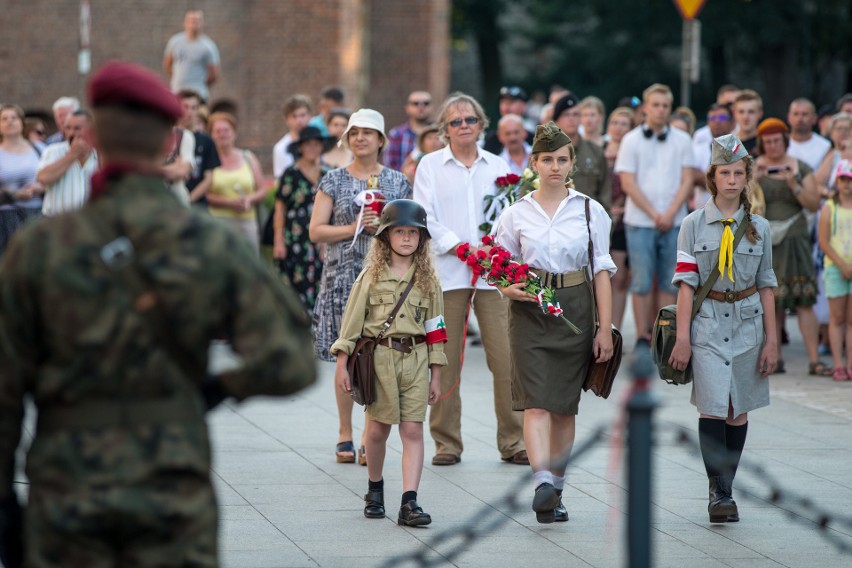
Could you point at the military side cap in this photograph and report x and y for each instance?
(125, 84)
(726, 150)
(549, 138)
(772, 126)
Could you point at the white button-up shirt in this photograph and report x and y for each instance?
(514, 168)
(560, 244)
(658, 167)
(453, 196)
(70, 191)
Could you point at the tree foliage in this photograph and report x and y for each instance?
(617, 48)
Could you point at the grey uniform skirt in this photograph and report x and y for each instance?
(549, 361)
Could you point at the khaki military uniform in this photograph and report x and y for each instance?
(592, 173)
(119, 467)
(402, 379)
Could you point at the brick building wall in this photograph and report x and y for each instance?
(378, 50)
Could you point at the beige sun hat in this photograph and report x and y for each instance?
(363, 118)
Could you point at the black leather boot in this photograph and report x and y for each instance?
(722, 508)
(560, 513)
(375, 508)
(411, 515)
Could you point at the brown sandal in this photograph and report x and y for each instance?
(819, 369)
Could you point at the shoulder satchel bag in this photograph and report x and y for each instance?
(664, 333)
(362, 370)
(600, 376)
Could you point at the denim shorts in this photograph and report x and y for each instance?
(651, 253)
(835, 285)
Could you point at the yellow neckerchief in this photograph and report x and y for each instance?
(726, 250)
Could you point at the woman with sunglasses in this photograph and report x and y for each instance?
(346, 227)
(20, 193)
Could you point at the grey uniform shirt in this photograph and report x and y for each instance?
(726, 338)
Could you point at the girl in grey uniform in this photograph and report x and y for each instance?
(731, 353)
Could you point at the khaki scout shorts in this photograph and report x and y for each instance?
(402, 385)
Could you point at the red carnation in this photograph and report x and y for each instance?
(513, 179)
(487, 240)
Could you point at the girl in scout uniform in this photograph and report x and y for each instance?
(548, 229)
(730, 351)
(408, 359)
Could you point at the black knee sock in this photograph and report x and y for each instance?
(409, 496)
(377, 485)
(711, 438)
(735, 437)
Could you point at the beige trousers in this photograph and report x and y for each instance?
(492, 313)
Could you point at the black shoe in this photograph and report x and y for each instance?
(643, 343)
(544, 503)
(722, 507)
(560, 513)
(375, 508)
(411, 515)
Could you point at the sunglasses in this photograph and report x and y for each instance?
(719, 118)
(420, 103)
(469, 120)
(514, 92)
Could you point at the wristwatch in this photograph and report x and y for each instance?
(799, 189)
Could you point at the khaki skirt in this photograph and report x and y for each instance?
(549, 361)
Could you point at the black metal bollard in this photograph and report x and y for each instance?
(640, 409)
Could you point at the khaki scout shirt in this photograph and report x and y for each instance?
(370, 304)
(592, 173)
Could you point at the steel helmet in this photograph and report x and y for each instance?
(403, 212)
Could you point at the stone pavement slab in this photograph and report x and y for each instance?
(286, 502)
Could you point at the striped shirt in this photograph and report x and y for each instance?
(70, 191)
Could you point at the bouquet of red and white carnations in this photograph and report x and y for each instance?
(497, 268)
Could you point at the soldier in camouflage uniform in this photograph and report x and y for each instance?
(106, 315)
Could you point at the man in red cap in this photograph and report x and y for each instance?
(106, 317)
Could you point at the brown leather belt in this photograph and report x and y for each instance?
(731, 297)
(403, 344)
(557, 281)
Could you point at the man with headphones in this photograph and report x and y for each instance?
(655, 165)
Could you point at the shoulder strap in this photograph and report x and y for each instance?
(714, 274)
(591, 261)
(396, 308)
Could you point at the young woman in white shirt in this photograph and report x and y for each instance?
(549, 231)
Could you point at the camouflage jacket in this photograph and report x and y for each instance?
(70, 333)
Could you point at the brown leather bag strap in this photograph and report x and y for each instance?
(714, 274)
(592, 263)
(396, 308)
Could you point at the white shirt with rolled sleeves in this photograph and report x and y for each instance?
(560, 244)
(726, 338)
(453, 196)
(71, 191)
(658, 167)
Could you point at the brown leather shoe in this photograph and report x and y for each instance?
(519, 458)
(445, 459)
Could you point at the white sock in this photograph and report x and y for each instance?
(558, 482)
(543, 477)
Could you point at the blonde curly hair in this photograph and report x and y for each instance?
(379, 256)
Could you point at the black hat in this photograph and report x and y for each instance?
(405, 213)
(310, 133)
(516, 93)
(564, 104)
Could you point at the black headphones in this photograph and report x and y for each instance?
(648, 133)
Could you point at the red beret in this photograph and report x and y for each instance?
(120, 83)
(772, 126)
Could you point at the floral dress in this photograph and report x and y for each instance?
(302, 267)
(344, 259)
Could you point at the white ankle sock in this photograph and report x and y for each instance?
(543, 477)
(558, 482)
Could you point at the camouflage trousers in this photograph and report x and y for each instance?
(170, 521)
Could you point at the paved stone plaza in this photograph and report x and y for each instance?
(285, 502)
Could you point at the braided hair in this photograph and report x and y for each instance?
(751, 231)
